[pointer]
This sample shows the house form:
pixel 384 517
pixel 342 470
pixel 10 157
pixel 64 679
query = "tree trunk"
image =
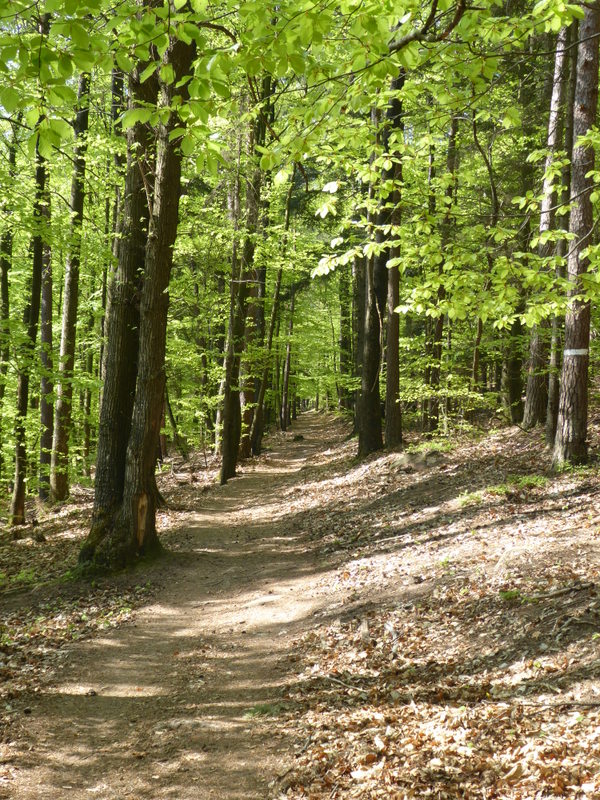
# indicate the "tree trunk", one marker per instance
pixel 180 443
pixel 512 384
pixel 132 531
pixel 536 396
pixel 30 320
pixel 433 412
pixel 284 414
pixel 116 109
pixel 59 475
pixel 229 352
pixel 392 137
pixel 232 411
pixel 87 408
pixel 46 358
pixel 556 340
pixel 358 326
pixel 232 423
pixel 571 432
pixel 6 254
pixel 345 341
pixel 369 432
pixel 370 436
pixel 256 432
pixel 494 214
pixel 122 328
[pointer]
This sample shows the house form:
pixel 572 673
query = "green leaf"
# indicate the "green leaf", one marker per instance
pixel 123 61
pixel 297 63
pixel 9 98
pixel 221 89
pixel 65 65
pixel 79 35
pixel 135 115
pixel 150 70
pixel 167 73
pixel 188 144
pixel 306 30
pixel 60 127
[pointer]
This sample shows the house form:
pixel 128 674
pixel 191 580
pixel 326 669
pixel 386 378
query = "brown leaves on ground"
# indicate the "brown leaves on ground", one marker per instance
pixel 464 660
pixel 458 652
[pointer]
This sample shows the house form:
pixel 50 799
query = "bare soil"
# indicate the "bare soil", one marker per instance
pixel 420 625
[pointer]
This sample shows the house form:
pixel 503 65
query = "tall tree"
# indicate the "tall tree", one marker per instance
pixel 232 423
pixel 571 432
pixel 132 529
pixel 59 475
pixel 46 359
pixel 393 138
pixel 370 437
pixel 6 255
pixel 31 315
pixel 433 412
pixel 122 318
pixel 536 395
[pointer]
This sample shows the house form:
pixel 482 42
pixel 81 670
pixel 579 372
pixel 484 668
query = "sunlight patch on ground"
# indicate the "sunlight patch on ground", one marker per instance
pixel 116 690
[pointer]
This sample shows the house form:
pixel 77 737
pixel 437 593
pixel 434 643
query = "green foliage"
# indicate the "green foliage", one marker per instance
pixel 332 68
pixel 518 482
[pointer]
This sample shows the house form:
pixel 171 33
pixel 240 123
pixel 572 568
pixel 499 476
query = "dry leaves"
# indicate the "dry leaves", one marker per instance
pixel 464 661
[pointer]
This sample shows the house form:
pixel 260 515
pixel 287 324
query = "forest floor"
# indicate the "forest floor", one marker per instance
pixel 413 625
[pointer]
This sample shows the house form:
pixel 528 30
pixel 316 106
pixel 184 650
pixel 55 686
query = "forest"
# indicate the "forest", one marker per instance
pixel 232 228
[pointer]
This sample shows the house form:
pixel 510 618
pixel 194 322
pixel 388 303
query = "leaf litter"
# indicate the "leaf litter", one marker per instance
pixel 464 661
pixel 456 654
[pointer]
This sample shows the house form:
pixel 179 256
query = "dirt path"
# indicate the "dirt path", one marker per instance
pixel 182 702
pixel 404 626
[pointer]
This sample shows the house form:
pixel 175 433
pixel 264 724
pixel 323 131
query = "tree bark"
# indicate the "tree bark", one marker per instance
pixel 345 341
pixel 232 423
pixel 122 325
pixel 59 475
pixel 30 320
pixel 571 432
pixel 536 395
pixel 556 340
pixel 256 432
pixel 433 412
pixel 132 530
pixel 358 326
pixel 284 416
pixel 46 358
pixel 6 254
pixel 392 137
pixel 370 437
pixel 512 383
pixel 493 221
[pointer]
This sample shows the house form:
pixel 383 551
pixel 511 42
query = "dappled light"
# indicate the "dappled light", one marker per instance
pixel 342 629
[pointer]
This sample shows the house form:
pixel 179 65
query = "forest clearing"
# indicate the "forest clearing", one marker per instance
pixel 321 628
